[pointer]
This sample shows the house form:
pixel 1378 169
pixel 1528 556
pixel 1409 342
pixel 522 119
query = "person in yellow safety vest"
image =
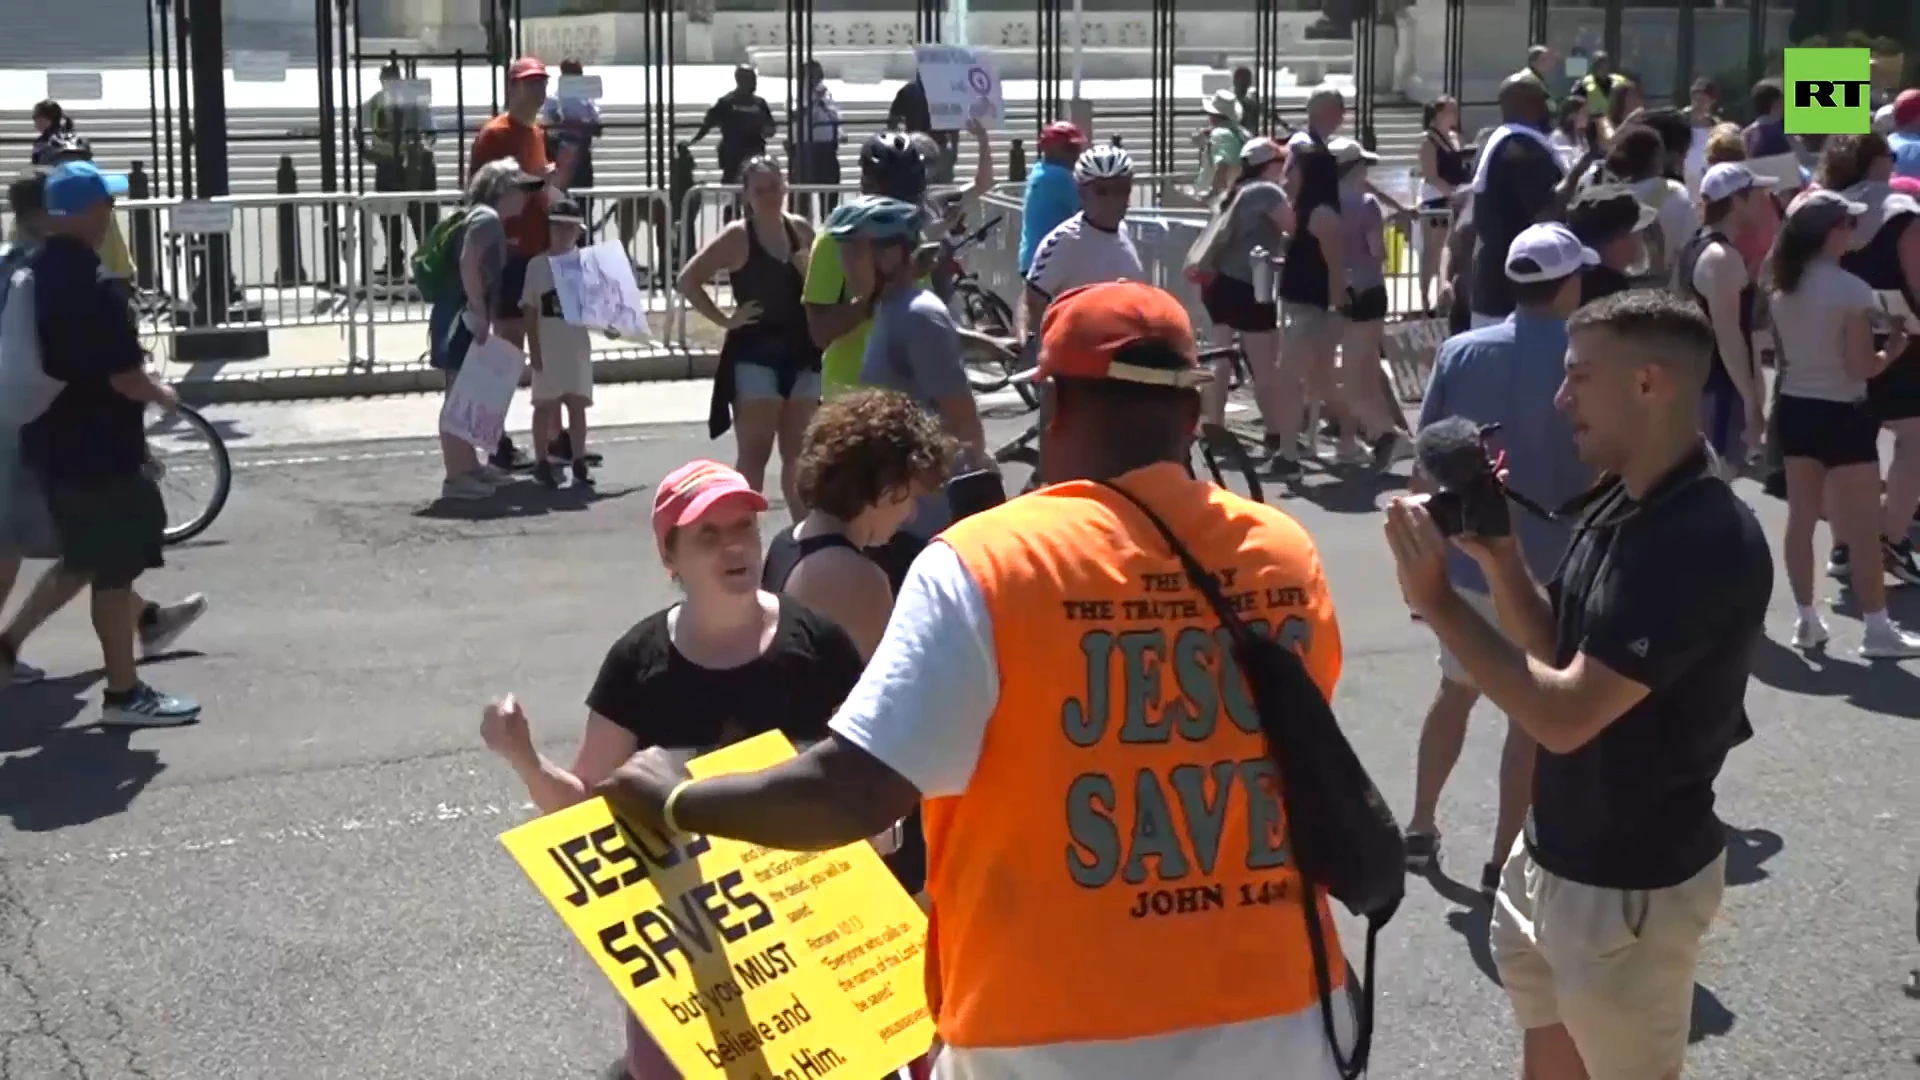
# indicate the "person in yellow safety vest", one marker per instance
pixel 1599 84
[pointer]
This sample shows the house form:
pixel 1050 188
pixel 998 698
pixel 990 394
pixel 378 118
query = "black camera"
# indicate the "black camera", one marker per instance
pixel 1469 497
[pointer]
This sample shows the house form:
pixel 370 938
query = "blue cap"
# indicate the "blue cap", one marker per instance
pixel 77 186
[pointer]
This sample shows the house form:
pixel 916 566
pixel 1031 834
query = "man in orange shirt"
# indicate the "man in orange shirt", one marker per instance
pixel 517 133
pixel 1100 806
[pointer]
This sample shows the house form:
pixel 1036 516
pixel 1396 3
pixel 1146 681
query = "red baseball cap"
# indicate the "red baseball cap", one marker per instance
pixel 691 490
pixel 1085 327
pixel 527 67
pixel 1906 108
pixel 1062 132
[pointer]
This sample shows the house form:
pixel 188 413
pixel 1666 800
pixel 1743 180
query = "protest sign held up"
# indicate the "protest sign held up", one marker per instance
pixel 740 961
pixel 962 85
pixel 598 290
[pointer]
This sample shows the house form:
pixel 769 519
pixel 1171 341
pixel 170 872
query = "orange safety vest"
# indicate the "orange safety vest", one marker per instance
pixel 1118 867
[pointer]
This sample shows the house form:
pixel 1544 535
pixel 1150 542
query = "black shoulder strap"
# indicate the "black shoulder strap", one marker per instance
pixel 1351 1065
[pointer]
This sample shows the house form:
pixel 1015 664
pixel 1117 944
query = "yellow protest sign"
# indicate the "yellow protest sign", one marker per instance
pixel 741 961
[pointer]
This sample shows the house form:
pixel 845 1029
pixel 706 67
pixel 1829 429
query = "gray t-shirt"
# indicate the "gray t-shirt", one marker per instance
pixel 1810 321
pixel 1365 253
pixel 1249 225
pixel 487 235
pixel 915 349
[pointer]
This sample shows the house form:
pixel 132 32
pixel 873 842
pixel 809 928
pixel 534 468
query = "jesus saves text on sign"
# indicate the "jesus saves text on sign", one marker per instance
pixel 1187 837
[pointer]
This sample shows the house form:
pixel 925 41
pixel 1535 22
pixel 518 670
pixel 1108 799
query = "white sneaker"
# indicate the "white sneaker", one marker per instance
pixel 1809 633
pixel 1887 641
pixel 465 488
pixel 171 621
pixel 494 475
pixel 1348 452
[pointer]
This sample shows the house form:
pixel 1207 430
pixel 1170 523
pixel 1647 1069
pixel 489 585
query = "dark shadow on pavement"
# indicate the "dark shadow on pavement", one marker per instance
pixel 1711 1019
pixel 1747 852
pixel 73 774
pixel 1880 687
pixel 1470 922
pixel 1347 489
pixel 522 499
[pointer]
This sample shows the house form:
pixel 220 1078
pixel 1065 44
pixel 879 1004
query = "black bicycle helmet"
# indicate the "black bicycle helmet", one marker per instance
pixel 63 146
pixel 890 166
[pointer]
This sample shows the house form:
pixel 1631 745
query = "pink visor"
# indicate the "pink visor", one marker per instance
pixel 694 488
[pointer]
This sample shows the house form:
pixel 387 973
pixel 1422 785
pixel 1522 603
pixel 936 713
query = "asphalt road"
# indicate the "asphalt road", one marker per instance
pixel 306 885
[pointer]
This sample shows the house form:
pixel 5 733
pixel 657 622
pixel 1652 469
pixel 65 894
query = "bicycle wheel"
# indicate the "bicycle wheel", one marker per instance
pixel 987 365
pixel 983 310
pixel 191 465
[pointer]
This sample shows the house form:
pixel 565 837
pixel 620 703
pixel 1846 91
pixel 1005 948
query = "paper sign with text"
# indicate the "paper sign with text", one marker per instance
pixel 475 411
pixel 962 84
pixel 741 962
pixel 597 290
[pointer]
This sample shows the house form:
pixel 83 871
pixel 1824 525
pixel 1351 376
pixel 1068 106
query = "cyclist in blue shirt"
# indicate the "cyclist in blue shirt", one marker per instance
pixel 1052 197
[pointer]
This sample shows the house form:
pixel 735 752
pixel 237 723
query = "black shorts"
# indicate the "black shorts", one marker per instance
pixel 1833 433
pixel 1230 303
pixel 1894 394
pixel 112 530
pixel 1367 305
pixel 513 282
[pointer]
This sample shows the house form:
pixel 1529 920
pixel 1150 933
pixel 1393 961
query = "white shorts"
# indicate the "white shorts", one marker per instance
pixel 1450 668
pixel 563 374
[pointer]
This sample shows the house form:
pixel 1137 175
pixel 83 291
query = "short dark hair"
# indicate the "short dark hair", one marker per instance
pixel 571 67
pixel 27 193
pixel 1146 421
pixel 1670 329
pixel 1676 132
pixel 864 444
pixel 1635 154
pixel 1767 93
pixel 1535 294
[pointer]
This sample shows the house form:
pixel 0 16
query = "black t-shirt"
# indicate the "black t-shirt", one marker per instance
pixel 1671 592
pixel 1521 177
pixel 1599 281
pixel 91 432
pixel 666 700
pixel 743 119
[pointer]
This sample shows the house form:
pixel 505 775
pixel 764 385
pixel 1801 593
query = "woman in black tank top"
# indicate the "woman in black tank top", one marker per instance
pixel 768 383
pixel 1443 170
pixel 868 455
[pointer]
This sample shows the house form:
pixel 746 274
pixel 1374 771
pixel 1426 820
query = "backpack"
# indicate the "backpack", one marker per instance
pixel 1343 836
pixel 25 389
pixel 436 262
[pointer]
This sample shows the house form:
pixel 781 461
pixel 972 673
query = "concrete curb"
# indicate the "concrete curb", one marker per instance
pixel 310 384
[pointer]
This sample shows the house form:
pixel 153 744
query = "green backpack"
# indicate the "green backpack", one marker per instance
pixel 436 262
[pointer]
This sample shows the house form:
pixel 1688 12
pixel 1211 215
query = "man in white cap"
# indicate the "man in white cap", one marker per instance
pixel 1710 269
pixel 1506 374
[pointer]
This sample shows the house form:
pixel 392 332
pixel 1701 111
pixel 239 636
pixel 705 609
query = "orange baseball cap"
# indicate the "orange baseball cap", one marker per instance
pixel 688 492
pixel 527 67
pixel 1085 327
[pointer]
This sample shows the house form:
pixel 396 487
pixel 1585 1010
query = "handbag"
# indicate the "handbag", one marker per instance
pixel 1343 836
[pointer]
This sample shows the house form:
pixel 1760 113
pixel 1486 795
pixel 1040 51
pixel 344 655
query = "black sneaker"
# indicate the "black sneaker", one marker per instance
pixel 581 476
pixel 1901 564
pixel 548 474
pixel 509 458
pixel 1490 880
pixel 561 450
pixel 143 706
pixel 1840 562
pixel 1282 467
pixel 1423 851
pixel 1386 450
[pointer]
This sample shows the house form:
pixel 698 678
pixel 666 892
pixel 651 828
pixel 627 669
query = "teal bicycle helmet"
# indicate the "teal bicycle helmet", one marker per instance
pixel 876 217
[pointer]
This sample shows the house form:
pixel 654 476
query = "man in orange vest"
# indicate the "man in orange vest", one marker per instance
pixel 1100 807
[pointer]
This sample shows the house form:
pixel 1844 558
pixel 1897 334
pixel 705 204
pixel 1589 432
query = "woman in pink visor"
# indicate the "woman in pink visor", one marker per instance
pixel 727 661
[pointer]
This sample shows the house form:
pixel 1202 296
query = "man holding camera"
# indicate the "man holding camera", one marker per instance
pixel 1505 374
pixel 1630 670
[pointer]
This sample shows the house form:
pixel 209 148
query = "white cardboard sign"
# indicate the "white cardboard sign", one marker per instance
pixel 475 411
pixel 962 84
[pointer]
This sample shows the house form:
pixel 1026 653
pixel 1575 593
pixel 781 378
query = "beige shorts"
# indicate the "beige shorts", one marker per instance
pixel 563 374
pixel 1614 966
pixel 1450 668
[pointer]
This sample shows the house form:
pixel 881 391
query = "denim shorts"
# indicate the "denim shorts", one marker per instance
pixel 757 382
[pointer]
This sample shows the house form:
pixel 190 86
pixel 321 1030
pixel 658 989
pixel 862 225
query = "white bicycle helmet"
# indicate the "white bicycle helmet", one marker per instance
pixel 1102 163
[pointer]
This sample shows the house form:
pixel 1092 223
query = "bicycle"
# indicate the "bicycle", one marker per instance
pixel 1216 449
pixel 184 447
